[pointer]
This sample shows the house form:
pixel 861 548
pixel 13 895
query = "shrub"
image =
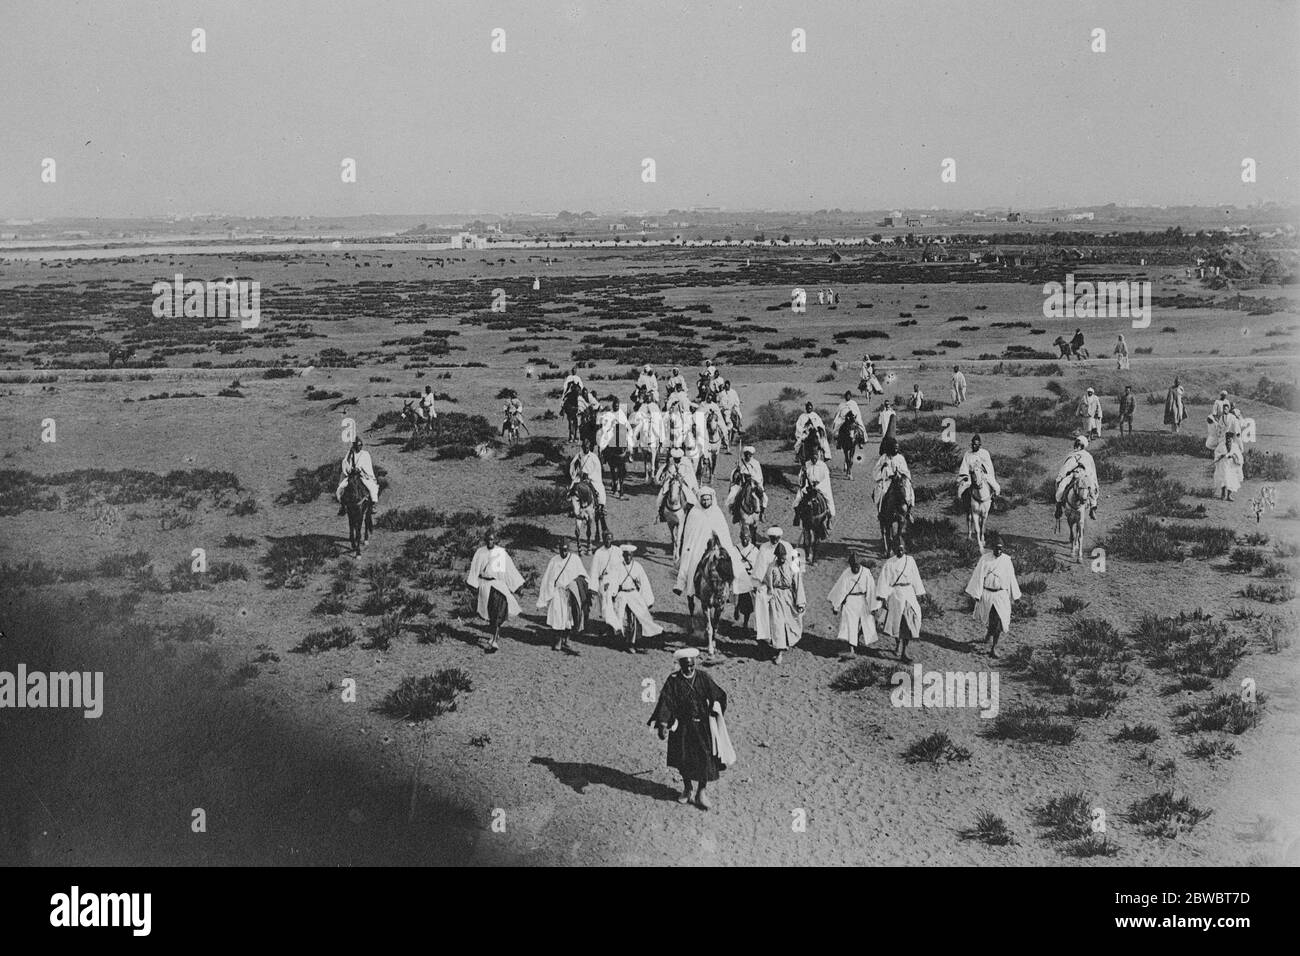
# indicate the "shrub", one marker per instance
pixel 1139 538
pixel 289 561
pixel 1030 723
pixel 1139 733
pixel 542 500
pixel 420 698
pixel 1164 814
pixel 1067 817
pixel 988 828
pixel 335 638
pixel 935 747
pixel 859 675
pixel 1223 712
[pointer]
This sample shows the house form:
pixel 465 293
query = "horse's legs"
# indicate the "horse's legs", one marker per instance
pixel 690 615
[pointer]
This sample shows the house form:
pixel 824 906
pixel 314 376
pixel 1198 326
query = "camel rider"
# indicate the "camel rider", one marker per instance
pixel 425 409
pixel 886 420
pixel 748 465
pixel 677 467
pixel 676 380
pixel 817 475
pixel 807 422
pixel 1078 461
pixel 573 378
pixel 977 457
pixel 586 463
pixel 358 460
pixel 650 382
pixel 846 407
pixel 890 463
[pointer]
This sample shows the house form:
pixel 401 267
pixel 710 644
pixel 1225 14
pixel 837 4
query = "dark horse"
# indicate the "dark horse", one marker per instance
pixel 849 439
pixel 713 577
pixel 893 511
pixel 813 514
pixel 588 425
pixel 812 440
pixel 360 509
pixel 569 408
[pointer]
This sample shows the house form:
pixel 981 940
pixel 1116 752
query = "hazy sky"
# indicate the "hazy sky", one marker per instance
pixel 258 125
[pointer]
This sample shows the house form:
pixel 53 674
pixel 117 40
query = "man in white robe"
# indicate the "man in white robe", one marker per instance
pixel 958 385
pixel 853 599
pixel 678 468
pixel 587 464
pixel 809 421
pixel 702 524
pixel 425 409
pixel 564 594
pixel 744 603
pixel 747 466
pixel 846 407
pixel 729 402
pixel 1221 406
pixel 1079 460
pixel 629 592
pixel 782 586
pixel 495 577
pixel 358 460
pixel 898 588
pixel 867 381
pixel 917 400
pixel 1090 411
pixel 1228 467
pixel 891 463
pixel 816 475
pixel 766 552
pixel 602 559
pixel 650 382
pixel 614 440
pixel 573 378
pixel 886 419
pixel 676 381
pixel 994 587
pixel 977 458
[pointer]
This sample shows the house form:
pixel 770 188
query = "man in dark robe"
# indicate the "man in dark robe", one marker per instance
pixel 682 716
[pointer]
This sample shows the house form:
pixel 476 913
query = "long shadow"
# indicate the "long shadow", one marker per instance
pixel 579 776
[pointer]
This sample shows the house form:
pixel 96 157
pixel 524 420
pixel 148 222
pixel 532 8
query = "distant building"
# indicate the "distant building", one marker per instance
pixel 1013 217
pixel 468 240
pixel 1081 217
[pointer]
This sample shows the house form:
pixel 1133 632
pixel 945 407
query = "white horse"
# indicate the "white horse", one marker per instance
pixel 979 498
pixel 647 435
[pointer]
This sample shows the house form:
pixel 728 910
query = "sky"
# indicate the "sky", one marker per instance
pixel 139 125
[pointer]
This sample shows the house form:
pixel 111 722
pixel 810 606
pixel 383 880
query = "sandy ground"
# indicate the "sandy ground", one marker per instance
pixel 579 777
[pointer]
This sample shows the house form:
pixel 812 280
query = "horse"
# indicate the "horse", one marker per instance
pixel 1075 505
pixel 713 577
pixel 569 408
pixel 747 505
pixel 892 512
pixel 733 427
pixel 511 426
pixel 711 442
pixel 706 388
pixel 1067 349
pixel 356 501
pixel 813 438
pixel 812 514
pixel 978 498
pixel 588 426
pixel 849 439
pixel 672 510
pixel 641 395
pixel 412 419
pixel 582 498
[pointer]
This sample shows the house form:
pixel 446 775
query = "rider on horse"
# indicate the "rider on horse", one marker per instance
pixel 573 378
pixel 891 463
pixel 614 443
pixel 425 409
pixel 358 461
pixel 729 402
pixel 867 381
pixel 816 477
pixel 847 406
pixel 586 464
pixel 976 458
pixel 513 410
pixel 675 381
pixel 810 421
pixel 677 468
pixel 1078 464
pixel 648 381
pixel 748 466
